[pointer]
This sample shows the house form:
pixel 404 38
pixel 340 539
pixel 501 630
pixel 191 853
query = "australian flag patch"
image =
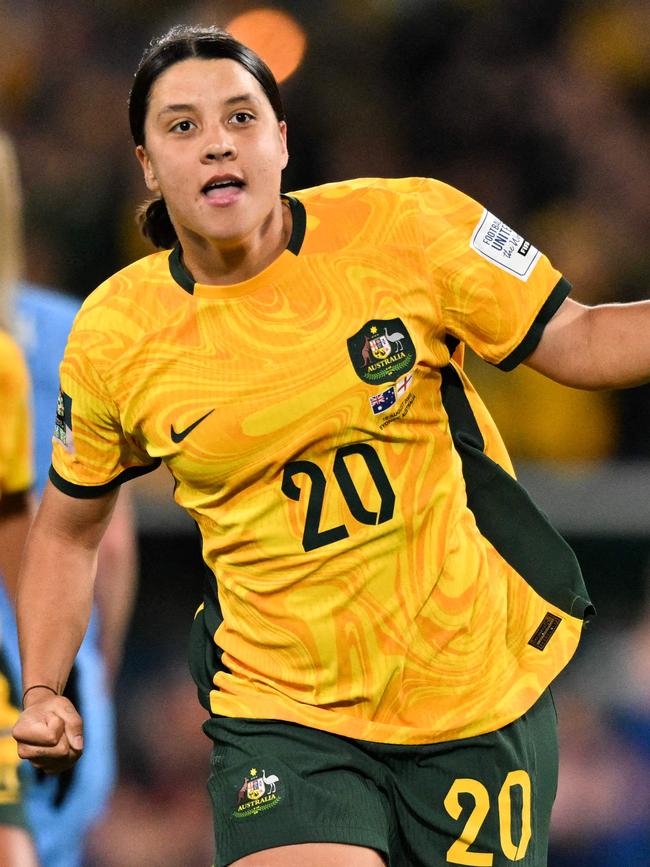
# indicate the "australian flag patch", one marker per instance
pixel 382 401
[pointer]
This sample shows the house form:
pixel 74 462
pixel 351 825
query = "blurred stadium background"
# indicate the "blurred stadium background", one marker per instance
pixel 538 109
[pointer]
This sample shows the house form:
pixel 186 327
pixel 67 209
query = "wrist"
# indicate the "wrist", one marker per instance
pixel 37 690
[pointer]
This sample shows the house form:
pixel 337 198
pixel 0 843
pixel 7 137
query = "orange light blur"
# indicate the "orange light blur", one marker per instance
pixel 276 36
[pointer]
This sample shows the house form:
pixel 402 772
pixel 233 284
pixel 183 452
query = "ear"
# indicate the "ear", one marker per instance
pixel 150 178
pixel 282 125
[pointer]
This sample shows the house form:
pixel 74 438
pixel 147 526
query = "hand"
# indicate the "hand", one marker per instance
pixel 49 732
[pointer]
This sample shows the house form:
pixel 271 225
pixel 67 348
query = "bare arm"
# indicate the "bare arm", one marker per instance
pixel 55 594
pixel 607 346
pixel 16 511
pixel 116 581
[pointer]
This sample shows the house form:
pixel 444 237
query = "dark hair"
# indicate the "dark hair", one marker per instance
pixel 182 43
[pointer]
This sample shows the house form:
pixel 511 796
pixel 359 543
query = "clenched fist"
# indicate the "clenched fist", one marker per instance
pixel 49 732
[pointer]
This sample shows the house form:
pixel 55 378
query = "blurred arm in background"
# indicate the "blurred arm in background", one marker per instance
pixel 62 810
pixel 16 847
pixel 16 513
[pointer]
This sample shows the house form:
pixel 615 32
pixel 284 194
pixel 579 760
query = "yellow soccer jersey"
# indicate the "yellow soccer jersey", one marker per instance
pixel 379 573
pixel 15 430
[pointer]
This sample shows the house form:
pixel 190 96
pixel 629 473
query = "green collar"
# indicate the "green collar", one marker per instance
pixel 299 225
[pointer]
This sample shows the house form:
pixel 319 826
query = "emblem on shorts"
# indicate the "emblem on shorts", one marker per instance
pixel 258 792
pixel 381 351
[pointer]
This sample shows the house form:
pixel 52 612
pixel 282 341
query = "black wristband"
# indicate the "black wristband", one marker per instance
pixel 38 686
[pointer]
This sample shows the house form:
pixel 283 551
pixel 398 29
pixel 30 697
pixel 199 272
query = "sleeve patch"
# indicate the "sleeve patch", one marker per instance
pixel 63 422
pixel 503 247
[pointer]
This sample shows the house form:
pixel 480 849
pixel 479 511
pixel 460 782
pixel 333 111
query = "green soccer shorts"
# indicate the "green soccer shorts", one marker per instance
pixel 478 801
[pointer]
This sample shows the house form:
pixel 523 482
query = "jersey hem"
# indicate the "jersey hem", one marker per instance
pixel 89 492
pixel 534 333
pixel 261 706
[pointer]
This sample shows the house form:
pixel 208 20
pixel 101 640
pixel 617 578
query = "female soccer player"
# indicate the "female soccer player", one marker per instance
pixel 386 607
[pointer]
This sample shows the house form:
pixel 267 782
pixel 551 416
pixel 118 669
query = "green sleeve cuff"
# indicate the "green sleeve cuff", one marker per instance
pixel 89 492
pixel 534 333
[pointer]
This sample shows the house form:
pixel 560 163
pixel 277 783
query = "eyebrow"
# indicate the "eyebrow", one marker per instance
pixel 188 106
pixel 245 97
pixel 179 106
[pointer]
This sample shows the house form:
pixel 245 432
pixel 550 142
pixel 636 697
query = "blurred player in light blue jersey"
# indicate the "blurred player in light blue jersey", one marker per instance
pixel 61 809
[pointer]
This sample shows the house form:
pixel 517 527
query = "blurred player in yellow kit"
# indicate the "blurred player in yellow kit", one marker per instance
pixel 59 809
pixel 16 479
pixel 386 607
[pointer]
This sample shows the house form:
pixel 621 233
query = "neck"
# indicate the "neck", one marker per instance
pixel 219 262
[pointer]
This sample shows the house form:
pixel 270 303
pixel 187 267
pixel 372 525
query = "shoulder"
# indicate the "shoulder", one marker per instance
pixel 396 212
pixel 13 369
pixel 131 279
pixel 387 199
pixel 389 188
pixel 9 349
pixel 365 188
pixel 130 295
pixel 132 306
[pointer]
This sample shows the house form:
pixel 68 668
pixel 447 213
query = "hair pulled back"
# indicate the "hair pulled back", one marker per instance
pixel 182 43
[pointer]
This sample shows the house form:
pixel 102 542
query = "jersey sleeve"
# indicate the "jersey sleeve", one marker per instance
pixel 91 454
pixel 497 291
pixel 16 471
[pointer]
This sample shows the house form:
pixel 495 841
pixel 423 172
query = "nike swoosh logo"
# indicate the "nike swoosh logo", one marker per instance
pixel 180 436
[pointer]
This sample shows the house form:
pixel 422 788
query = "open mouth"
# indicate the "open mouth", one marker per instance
pixel 213 187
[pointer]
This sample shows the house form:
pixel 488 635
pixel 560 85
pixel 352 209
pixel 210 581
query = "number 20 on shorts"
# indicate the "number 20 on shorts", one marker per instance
pixel 459 852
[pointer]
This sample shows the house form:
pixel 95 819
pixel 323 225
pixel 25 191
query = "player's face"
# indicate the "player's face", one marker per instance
pixel 214 150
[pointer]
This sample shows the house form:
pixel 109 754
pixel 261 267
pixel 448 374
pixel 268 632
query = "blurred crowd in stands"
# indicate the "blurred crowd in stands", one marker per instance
pixel 538 109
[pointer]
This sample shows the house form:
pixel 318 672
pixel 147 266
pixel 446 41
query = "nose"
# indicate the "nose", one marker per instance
pixel 216 151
